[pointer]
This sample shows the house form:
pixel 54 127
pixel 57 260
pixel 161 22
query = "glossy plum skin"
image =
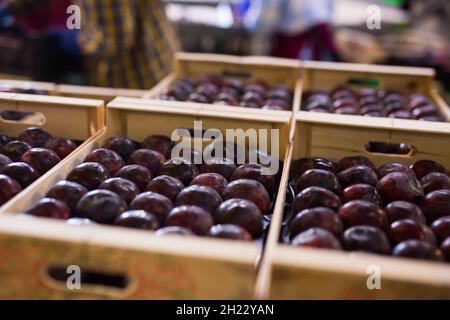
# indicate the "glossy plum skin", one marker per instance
pixel 361 192
pixel 212 180
pixel 122 146
pixel 184 171
pixel 243 213
pixel 321 217
pixel 4 139
pixel 229 232
pixel 388 168
pixel 400 186
pixel 68 192
pixel 315 163
pixel 357 175
pixel 140 175
pixel 35 137
pixel 360 212
pixel 423 168
pixel 349 162
pixel 445 248
pixel 14 150
pixel 101 206
pixel 255 172
pixel 150 159
pixel 435 181
pixel 416 249
pixel 9 188
pixel 108 158
pixel 367 239
pixel 153 203
pixel 4 161
pixel 22 172
pixel 191 217
pixel 41 159
pixel 126 189
pixel 200 196
pixel 174 231
pixel 61 146
pixel 169 187
pixel 89 174
pixel 50 208
pixel 316 197
pixel 403 230
pixel 138 219
pixel 162 144
pixel 250 190
pixel 441 228
pixel 318 178
pixel 317 238
pixel 224 167
pixel 436 205
pixel 400 210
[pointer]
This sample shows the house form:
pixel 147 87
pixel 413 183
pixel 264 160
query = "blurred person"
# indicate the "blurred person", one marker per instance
pixel 127 44
pixel 299 29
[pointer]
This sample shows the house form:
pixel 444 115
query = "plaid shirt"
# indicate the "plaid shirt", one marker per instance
pixel 127 43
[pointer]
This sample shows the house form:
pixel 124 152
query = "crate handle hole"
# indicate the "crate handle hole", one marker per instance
pixel 90 278
pixel 20 117
pixel 389 148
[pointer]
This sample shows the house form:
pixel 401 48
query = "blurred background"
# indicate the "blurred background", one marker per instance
pixel 117 36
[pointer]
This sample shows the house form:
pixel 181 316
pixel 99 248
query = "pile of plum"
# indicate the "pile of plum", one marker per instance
pixel 140 186
pixel 395 209
pixel 25 159
pixel 230 92
pixel 372 103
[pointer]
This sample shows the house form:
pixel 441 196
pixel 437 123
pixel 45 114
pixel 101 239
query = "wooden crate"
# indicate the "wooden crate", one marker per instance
pixel 407 80
pixel 301 273
pixel 65 90
pixel 157 268
pixel 76 119
pixel 272 70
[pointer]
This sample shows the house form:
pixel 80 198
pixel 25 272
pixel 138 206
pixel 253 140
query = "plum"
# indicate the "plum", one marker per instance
pixel 140 175
pixel 150 159
pixel 366 239
pixel 4 161
pixel 125 188
pixel 316 197
pixel 360 212
pixel 349 162
pixel 61 146
pixel 168 186
pixel 41 159
pixel 361 192
pixel 400 186
pixel 35 137
pixel 4 139
pixel 191 217
pixel 101 206
pixel 50 208
pixel 153 203
pixel 184 171
pixel 243 213
pixel 436 205
pixel 90 175
pixel 122 146
pixel 22 172
pixel 417 249
pixel 68 192
pixel 315 163
pixel 320 217
pixel 162 144
pixel 9 188
pixel 357 175
pixel 230 232
pixel 399 210
pixel 423 168
pixel 15 149
pixel 388 168
pixel 250 190
pixel 318 178
pixel 212 180
pixel 255 172
pixel 200 196
pixel 137 219
pixel 108 158
pixel 406 229
pixel 435 181
pixel 224 167
pixel 441 228
pixel 317 238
